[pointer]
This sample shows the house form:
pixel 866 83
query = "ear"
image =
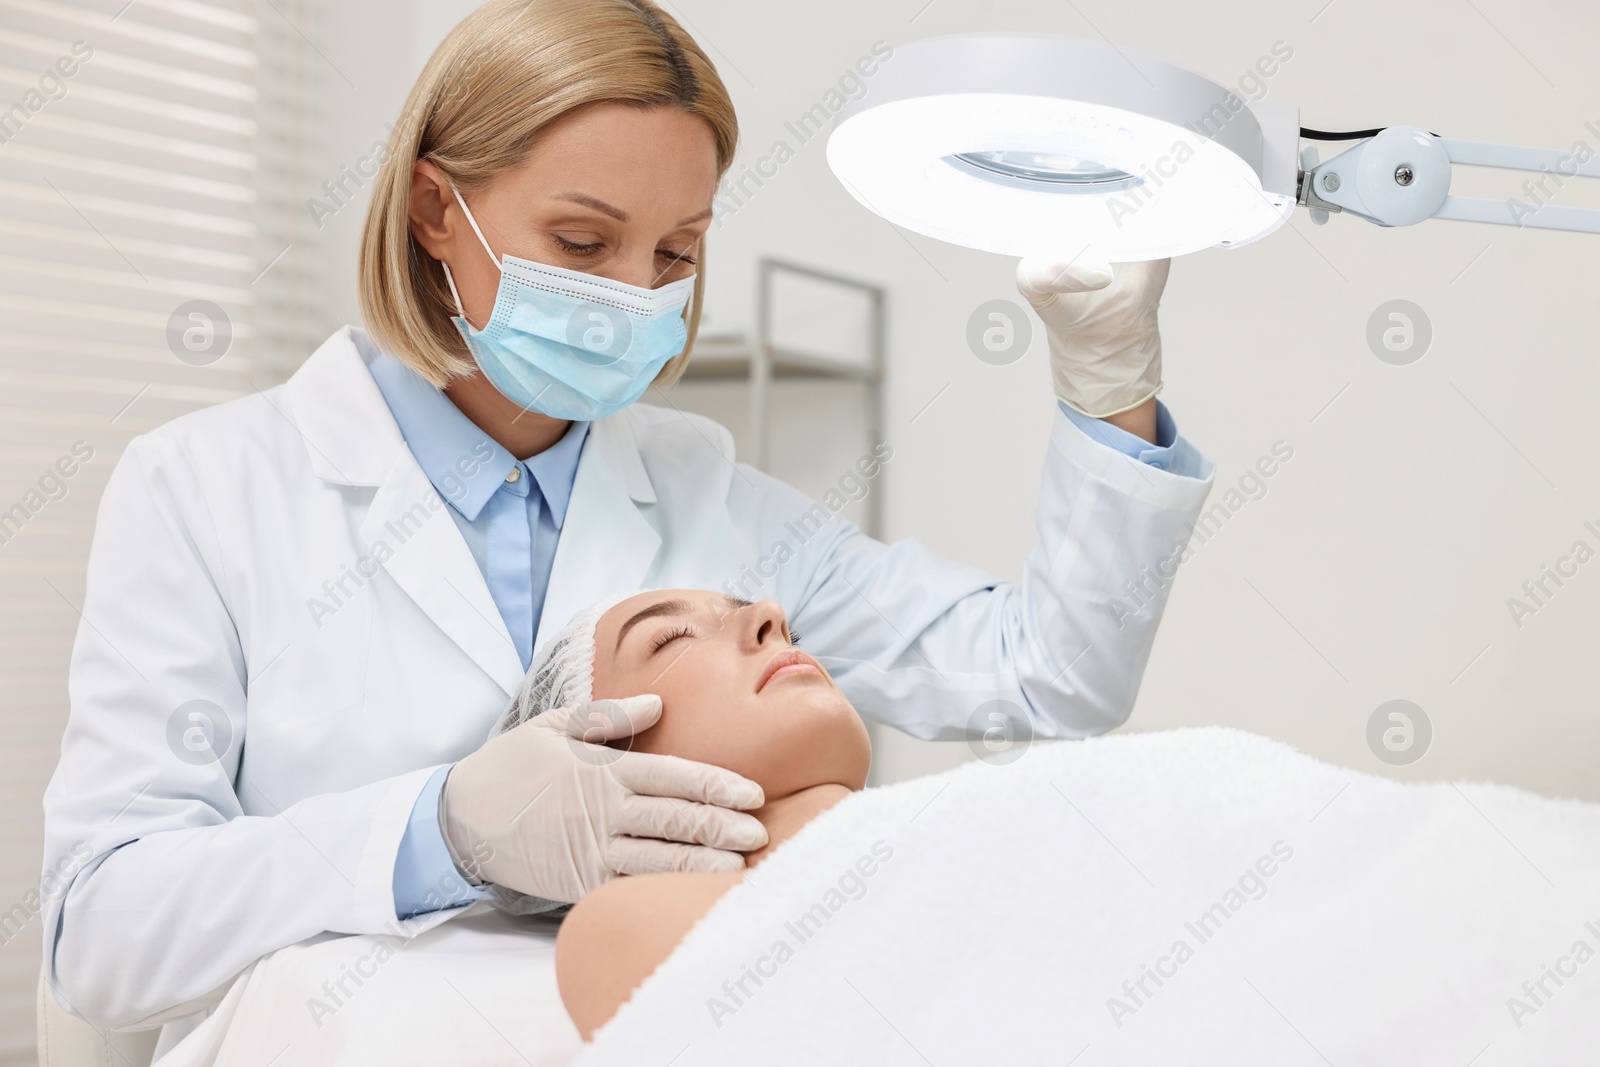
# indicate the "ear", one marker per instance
pixel 432 209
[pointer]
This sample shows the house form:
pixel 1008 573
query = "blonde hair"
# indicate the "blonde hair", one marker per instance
pixel 505 72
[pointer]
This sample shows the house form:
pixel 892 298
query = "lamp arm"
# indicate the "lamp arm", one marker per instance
pixel 1401 176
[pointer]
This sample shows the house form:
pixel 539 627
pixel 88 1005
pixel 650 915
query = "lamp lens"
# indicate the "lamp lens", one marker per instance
pixel 1045 169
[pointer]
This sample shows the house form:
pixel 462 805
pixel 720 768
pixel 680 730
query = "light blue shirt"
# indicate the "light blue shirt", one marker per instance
pixel 510 513
pixel 1168 453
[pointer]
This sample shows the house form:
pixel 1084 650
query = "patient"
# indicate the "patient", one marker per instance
pixel 735 692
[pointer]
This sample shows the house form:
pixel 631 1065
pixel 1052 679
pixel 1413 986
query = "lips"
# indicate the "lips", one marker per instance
pixel 789 658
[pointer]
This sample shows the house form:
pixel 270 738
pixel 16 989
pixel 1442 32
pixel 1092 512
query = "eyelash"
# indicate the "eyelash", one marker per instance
pixel 670 636
pixel 576 249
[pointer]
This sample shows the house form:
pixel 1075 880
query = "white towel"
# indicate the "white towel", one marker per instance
pixel 1196 897
pixel 478 989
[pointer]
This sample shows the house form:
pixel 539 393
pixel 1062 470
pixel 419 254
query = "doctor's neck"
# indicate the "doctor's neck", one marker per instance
pixel 519 431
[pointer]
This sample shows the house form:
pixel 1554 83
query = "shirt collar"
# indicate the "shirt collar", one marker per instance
pixel 464 464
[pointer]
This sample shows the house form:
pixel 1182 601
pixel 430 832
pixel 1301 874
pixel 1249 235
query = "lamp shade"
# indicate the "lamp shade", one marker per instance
pixel 1025 144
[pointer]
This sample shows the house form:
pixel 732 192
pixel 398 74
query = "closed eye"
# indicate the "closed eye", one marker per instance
pixel 577 248
pixel 671 635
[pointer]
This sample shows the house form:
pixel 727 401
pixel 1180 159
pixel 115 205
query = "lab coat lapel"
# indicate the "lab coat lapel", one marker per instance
pixel 428 558
pixel 607 544
pixel 351 439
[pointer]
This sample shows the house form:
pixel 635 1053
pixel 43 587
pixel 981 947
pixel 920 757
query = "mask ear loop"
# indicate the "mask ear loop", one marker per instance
pixel 474 223
pixel 456 295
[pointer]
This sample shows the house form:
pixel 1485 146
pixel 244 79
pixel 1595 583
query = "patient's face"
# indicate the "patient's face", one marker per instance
pixel 734 690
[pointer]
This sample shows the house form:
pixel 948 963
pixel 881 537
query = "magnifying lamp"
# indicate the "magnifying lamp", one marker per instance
pixel 1025 144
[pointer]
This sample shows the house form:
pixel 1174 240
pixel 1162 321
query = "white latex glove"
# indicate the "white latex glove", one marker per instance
pixel 1105 349
pixel 541 810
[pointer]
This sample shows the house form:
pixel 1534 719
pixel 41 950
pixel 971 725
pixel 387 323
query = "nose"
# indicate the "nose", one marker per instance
pixel 765 626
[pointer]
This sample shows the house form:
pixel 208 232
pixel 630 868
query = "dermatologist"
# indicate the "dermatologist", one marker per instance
pixel 307 607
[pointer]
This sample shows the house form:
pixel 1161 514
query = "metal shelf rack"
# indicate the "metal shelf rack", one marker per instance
pixel 724 357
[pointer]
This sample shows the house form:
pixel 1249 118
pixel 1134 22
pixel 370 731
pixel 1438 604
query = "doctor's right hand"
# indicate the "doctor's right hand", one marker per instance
pixel 545 810
pixel 1105 345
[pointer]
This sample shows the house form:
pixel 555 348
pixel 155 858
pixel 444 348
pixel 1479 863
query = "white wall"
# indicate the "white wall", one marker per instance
pixel 1379 563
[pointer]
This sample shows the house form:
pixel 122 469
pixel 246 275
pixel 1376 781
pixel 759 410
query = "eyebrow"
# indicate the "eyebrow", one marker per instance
pixel 616 212
pixel 666 608
pixel 660 608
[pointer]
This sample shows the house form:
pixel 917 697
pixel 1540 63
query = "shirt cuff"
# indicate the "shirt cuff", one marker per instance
pixel 1169 453
pixel 425 877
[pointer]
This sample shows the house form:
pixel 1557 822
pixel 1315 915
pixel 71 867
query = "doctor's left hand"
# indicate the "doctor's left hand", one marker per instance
pixel 545 810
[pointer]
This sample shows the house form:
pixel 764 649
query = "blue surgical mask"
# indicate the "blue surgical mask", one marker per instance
pixel 570 344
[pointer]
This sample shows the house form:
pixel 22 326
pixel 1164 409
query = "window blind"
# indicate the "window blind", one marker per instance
pixel 153 171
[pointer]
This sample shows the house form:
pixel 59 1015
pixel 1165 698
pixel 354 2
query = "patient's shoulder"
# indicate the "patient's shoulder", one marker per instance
pixel 614 938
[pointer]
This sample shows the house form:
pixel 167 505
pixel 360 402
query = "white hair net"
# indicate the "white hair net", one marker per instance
pixel 562 674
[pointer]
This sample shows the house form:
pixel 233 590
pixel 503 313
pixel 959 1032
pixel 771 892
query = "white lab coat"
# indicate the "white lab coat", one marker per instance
pixel 283 558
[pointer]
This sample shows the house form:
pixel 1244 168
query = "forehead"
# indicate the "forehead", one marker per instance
pixel 601 145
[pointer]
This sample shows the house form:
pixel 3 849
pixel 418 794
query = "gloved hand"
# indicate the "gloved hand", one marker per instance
pixel 541 810
pixel 1105 349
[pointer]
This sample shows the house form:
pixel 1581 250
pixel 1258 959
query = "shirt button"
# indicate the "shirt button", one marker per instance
pixel 1158 465
pixel 514 475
